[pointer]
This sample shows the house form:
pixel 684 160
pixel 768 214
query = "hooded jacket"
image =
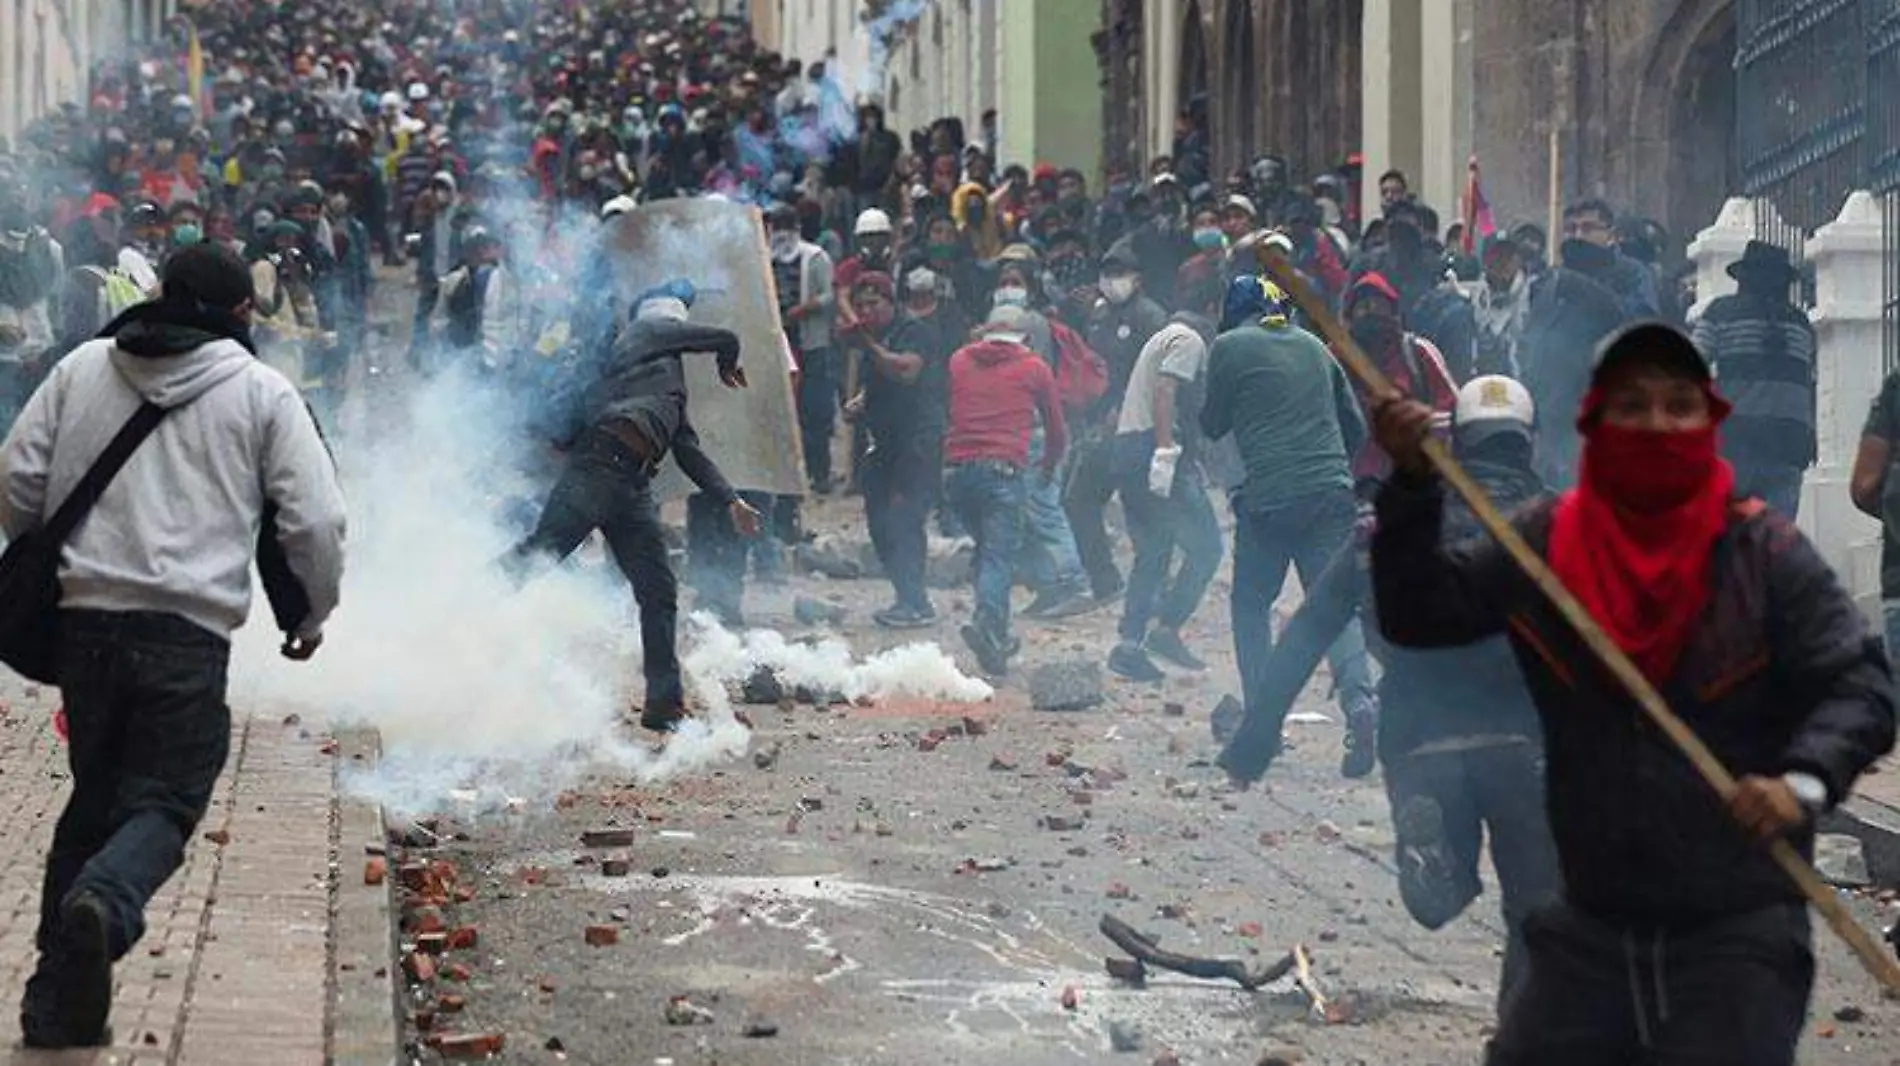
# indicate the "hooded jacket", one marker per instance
pixel 998 388
pixel 176 531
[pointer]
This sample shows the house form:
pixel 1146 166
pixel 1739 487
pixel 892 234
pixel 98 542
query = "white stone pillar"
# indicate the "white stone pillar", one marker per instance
pixel 1722 243
pixel 1851 363
pixel 1391 119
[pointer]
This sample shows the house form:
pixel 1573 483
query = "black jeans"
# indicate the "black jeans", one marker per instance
pixel 1184 521
pixel 1085 500
pixel 1303 534
pixel 605 490
pixel 818 383
pixel 1732 990
pixel 1495 790
pixel 149 733
pixel 901 486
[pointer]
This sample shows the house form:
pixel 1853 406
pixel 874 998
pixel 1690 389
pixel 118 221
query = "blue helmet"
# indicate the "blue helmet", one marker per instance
pixel 674 289
pixel 1253 300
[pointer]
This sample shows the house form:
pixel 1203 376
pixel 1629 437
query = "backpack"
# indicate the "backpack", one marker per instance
pixel 1081 374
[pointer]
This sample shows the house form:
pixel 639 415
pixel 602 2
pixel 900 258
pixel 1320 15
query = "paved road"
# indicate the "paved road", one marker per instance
pixel 833 896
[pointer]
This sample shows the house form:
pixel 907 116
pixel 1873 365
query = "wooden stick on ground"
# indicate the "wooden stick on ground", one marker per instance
pixel 1144 949
pixel 1878 962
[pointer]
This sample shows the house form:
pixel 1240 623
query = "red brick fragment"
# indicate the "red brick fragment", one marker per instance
pixel 928 742
pixel 432 943
pixel 413 875
pixel 462 938
pixel 458 972
pixel 328 747
pixel 607 838
pixel 1071 999
pixel 425 1021
pixel 220 837
pixel 1117 890
pixel 974 727
pixel 419 967
pixel 427 920
pixel 1250 930
pixel 615 867
pixel 375 871
pixel 546 984
pixel 468 1046
pixel 600 936
pixel 451 1003
pixel 464 894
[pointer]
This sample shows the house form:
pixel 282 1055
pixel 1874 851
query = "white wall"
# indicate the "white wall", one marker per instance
pixel 47 48
pixel 808 29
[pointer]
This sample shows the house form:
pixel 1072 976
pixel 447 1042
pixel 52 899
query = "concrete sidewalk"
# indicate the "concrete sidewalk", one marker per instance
pixel 265 948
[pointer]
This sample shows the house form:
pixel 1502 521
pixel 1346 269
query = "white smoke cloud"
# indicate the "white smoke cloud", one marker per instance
pixel 883 29
pixel 484 694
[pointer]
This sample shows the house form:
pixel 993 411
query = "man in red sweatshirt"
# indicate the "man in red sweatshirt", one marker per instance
pixel 998 387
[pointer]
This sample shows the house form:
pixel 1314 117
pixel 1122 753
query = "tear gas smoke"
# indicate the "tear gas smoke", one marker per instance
pixel 883 29
pixel 512 694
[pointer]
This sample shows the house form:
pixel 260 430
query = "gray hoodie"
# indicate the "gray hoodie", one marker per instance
pixel 177 529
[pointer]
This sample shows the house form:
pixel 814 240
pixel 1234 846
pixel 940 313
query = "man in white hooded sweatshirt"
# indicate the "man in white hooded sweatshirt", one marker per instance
pixel 153 582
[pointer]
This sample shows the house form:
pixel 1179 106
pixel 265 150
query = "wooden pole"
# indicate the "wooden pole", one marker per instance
pixel 1878 961
pixel 1553 236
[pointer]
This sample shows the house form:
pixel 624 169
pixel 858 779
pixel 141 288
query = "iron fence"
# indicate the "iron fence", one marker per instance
pixel 1817 86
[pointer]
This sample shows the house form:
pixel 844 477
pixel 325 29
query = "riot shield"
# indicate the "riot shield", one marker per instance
pixel 720 246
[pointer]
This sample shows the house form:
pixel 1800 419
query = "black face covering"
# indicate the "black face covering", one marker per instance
pixel 1579 254
pixel 1377 333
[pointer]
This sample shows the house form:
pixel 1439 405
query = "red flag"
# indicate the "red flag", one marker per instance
pixel 1479 222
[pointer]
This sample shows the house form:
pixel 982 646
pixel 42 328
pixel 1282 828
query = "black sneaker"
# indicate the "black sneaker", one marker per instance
pixel 662 717
pixel 1362 745
pixel 1051 597
pixel 901 617
pixel 1167 644
pixel 1429 882
pixel 84 981
pixel 993 658
pixel 1129 661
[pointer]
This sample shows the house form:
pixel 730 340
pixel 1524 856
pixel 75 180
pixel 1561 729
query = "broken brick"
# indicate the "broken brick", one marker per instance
pixel 413 875
pixel 615 867
pixel 432 943
pixel 607 838
pixel 375 871
pixel 425 1021
pixel 462 938
pixel 1056 758
pixel 928 742
pixel 546 984
pixel 451 1003
pixel 974 727
pixel 1250 930
pixel 468 1046
pixel 1061 823
pixel 220 837
pixel 458 972
pixel 1118 890
pixel 999 763
pixel 427 920
pixel 1128 971
pixel 1071 999
pixel 1326 832
pixel 600 936
pixel 419 967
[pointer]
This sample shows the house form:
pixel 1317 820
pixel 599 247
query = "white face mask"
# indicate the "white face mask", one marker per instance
pixel 784 245
pixel 1010 296
pixel 1118 290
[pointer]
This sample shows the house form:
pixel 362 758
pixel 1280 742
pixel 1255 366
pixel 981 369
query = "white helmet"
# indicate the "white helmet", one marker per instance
pixel 418 92
pixel 619 205
pixel 871 223
pixel 1492 404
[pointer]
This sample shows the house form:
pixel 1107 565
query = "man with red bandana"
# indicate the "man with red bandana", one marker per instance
pixel 1373 312
pixel 1678 939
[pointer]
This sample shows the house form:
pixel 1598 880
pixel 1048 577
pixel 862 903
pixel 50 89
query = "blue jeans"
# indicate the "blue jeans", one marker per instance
pixel 1047 559
pixel 149 734
pixel 990 499
pixel 1891 609
pixel 1182 522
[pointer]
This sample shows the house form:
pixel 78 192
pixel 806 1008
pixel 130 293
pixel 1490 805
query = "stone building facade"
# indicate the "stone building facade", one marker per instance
pixel 47 48
pixel 1640 93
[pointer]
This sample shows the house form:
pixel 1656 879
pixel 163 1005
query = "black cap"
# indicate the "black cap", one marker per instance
pixel 1653 343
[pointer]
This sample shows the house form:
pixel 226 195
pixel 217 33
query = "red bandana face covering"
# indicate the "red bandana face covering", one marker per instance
pixel 1634 539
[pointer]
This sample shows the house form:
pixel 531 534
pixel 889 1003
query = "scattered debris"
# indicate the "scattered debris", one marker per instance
pixel 827 555
pixel 615 867
pixel 1071 999
pixel 767 758
pixel 983 866
pixel 1226 718
pixel 1841 861
pixel 600 936
pixel 607 838
pixel 974 726
pixel 1117 890
pixel 683 1011
pixel 1172 709
pixel 1166 1058
pixel 1250 930
pixel 375 871
pixel 811 803
pixel 555 1045
pixel 1124 1036
pixel 929 741
pixel 1069 685
pixel 220 837
pixel 762 688
pixel 1127 971
pixel 1850 1015
pixel 1147 949
pixel 1001 764
pixel 1062 823
pixel 1326 832
pixel 451 1003
pixel 470 1046
pixel 759 1030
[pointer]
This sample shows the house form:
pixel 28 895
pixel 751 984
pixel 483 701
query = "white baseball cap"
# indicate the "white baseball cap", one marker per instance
pixel 1494 398
pixel 872 221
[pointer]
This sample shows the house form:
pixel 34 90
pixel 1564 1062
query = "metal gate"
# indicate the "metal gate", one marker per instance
pixel 1817 89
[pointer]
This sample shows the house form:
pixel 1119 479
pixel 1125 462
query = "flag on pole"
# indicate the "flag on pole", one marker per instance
pixel 1479 223
pixel 195 73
